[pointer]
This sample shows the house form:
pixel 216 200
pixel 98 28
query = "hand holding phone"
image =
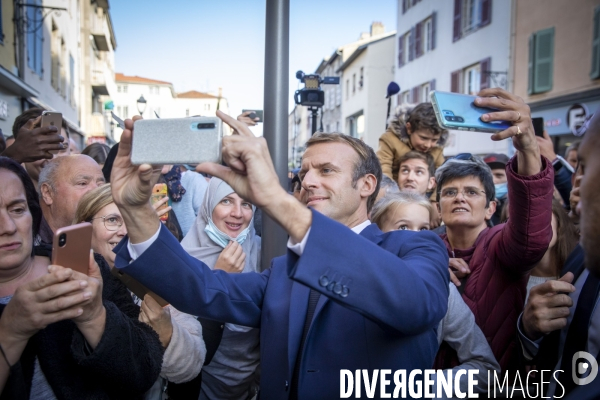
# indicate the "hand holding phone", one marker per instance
pixel 51 118
pixel 159 192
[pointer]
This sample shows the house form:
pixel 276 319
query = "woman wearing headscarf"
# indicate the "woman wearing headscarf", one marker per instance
pixel 223 237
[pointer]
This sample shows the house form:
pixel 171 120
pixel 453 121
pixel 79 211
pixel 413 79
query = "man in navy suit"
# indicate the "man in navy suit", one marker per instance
pixel 353 299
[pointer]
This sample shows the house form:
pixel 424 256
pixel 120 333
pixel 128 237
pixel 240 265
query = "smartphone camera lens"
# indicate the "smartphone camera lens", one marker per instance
pixel 448 118
pixel 459 119
pixel 62 240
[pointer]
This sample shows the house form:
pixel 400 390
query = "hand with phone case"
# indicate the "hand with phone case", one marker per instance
pixel 513 109
pixel 35 143
pixel 249 118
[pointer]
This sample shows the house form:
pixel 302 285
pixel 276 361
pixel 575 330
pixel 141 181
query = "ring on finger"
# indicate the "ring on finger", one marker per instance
pixel 518 131
pixel 519 117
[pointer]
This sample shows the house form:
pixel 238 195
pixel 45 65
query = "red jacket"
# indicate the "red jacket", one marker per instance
pixel 502 257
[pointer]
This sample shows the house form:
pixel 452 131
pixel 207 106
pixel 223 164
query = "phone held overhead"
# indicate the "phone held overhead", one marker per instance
pixel 458 112
pixel 52 118
pixel 177 140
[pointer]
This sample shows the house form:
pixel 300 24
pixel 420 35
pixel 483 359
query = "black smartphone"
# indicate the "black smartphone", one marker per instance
pixel 255 114
pixel 538 126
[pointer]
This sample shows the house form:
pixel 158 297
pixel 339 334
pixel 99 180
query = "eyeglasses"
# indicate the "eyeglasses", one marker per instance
pixel 468 193
pixel 112 222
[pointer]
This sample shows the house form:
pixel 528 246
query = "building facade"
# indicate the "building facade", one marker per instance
pixel 460 46
pixel 153 98
pixel 556 63
pixel 365 76
pixel 299 131
pixel 52 56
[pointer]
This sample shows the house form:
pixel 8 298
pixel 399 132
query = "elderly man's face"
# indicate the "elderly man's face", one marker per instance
pixel 590 194
pixel 76 176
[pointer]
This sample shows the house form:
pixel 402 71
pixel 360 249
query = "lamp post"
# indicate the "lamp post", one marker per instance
pixel 141 105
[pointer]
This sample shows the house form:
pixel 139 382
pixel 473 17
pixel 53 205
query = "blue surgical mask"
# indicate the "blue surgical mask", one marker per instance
pixel 222 239
pixel 501 190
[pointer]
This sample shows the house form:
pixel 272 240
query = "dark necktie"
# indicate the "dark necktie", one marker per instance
pixel 577 336
pixel 313 299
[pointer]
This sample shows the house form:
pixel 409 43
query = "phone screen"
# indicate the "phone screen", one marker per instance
pixel 538 126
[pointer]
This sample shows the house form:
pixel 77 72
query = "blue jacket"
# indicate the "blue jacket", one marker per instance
pixel 383 296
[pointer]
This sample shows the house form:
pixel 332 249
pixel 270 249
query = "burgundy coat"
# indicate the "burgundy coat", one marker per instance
pixel 502 257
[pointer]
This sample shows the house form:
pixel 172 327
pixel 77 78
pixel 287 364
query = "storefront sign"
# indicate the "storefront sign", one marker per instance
pixel 576 116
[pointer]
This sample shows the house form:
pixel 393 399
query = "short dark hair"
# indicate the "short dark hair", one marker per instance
pixel 98 151
pixel 423 117
pixel 368 163
pixel 33 113
pixel 456 169
pixel 417 155
pixel 573 147
pixel 31 194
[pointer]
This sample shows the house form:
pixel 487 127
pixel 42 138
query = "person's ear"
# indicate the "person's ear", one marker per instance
pixel 368 186
pixel 431 184
pixel 408 128
pixel 46 192
pixel 489 212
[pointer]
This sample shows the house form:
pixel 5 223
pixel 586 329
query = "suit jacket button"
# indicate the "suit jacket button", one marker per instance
pixel 337 289
pixel 345 291
pixel 330 286
pixel 324 280
pixel 287 385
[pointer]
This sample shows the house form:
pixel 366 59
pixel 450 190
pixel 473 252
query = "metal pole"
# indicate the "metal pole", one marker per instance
pixel 314 116
pixel 275 129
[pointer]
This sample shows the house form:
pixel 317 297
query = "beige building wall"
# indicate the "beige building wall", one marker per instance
pixel 7 47
pixel 573 23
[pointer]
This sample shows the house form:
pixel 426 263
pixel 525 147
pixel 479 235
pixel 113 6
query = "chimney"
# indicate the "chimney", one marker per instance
pixel 377 28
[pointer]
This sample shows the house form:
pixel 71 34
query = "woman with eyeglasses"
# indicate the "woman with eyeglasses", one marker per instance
pixel 490 264
pixel 63 334
pixel 180 334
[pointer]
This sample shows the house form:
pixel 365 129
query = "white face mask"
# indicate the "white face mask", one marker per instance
pixel 222 239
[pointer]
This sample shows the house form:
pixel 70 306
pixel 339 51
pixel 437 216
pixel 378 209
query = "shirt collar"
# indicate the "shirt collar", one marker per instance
pixel 358 228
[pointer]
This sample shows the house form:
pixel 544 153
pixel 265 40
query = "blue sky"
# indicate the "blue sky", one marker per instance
pixel 203 45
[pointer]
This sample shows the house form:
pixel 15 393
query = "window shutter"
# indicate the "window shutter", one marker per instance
pixel 414 2
pixel 418 40
pixel 595 74
pixel 411 47
pixel 485 66
pixel 431 85
pixel 457 20
pixel 403 6
pixel 544 54
pixel 455 81
pixel 531 63
pixel 400 50
pixel 433 29
pixel 486 12
pixel 414 96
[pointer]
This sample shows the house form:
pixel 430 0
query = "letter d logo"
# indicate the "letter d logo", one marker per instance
pixel 582 367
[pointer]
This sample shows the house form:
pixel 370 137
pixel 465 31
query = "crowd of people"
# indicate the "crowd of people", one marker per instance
pixel 397 259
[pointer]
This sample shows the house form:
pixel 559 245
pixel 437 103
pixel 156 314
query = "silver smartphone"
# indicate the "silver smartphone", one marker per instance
pixel 177 140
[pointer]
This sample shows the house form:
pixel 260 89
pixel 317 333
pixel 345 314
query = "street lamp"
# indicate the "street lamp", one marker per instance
pixel 141 105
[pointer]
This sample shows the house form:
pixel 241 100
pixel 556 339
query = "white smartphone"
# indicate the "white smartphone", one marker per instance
pixel 177 140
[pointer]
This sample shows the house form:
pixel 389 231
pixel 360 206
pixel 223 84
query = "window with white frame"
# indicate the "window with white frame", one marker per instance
pixel 471 16
pixel 427 35
pixel 361 81
pixel 187 112
pixel 207 107
pixel 425 89
pixel 353 83
pixel 125 112
pixel 119 88
pixel 347 89
pixel 472 79
pixel 405 97
pixel 406 53
pixel 124 88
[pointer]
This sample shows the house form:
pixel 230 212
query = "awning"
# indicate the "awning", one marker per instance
pixel 14 84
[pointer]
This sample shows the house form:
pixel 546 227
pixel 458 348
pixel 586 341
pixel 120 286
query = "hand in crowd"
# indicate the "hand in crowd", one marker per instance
pixel 548 307
pixel 51 298
pixel 546 146
pixel 232 258
pixel 35 143
pixel 458 269
pixel 245 118
pixel 575 199
pixel 160 212
pixel 436 217
pixel 158 318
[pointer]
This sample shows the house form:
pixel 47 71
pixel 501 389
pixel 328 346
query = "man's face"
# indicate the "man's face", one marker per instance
pixel 590 192
pixel 466 209
pixel 499 175
pixel 326 176
pixel 572 158
pixel 413 176
pixel 75 177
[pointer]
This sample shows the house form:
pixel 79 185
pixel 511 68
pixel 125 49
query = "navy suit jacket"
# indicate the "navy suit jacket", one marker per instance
pixel 383 296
